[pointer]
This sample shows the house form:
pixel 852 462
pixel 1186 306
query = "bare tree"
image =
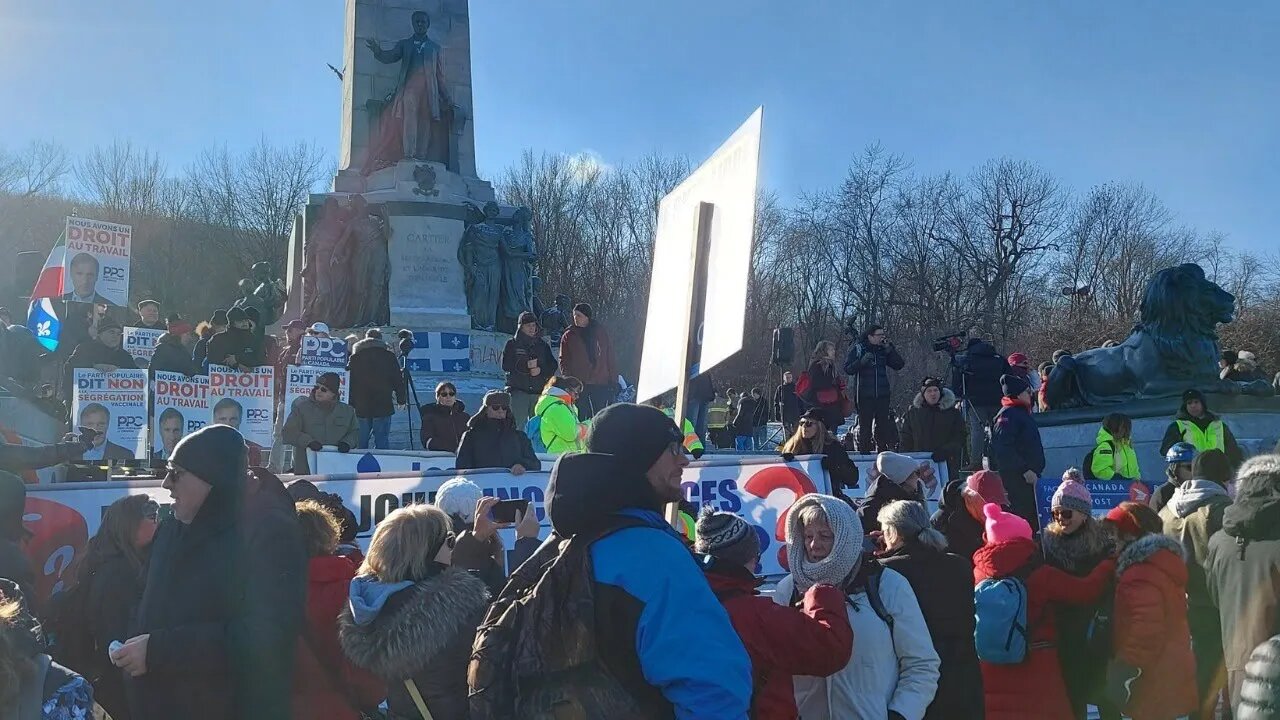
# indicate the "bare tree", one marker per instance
pixel 124 179
pixel 37 169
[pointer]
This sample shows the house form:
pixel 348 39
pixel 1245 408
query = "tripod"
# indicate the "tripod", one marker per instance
pixel 411 391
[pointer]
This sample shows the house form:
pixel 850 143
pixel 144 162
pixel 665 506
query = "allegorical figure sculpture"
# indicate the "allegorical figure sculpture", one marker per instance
pixel 419 112
pixel 317 274
pixel 1173 348
pixel 518 258
pixel 479 254
pixel 372 266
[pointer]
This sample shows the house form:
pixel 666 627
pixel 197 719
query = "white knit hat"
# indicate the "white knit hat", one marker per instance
pixel 897 467
pixel 459 497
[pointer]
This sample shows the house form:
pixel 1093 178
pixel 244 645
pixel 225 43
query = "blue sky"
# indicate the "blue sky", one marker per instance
pixel 1181 96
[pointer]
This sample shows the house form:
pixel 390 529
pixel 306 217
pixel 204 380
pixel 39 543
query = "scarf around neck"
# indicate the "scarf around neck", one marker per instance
pixel 846 551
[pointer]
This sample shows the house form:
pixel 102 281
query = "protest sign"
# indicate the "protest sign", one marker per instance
pixel 300 380
pixel 141 343
pixel 181 408
pixel 323 352
pixel 96 263
pixel 1106 494
pixel 245 401
pixel 114 405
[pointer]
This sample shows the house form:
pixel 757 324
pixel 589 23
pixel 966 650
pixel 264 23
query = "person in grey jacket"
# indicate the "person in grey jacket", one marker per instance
pixel 320 420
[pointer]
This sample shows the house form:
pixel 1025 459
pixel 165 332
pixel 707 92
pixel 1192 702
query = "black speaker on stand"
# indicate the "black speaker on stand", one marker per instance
pixel 784 346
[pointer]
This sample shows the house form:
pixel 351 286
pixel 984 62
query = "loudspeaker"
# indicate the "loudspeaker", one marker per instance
pixel 784 345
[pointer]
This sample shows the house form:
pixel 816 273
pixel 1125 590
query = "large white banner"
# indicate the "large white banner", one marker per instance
pixel 181 408
pixel 96 264
pixel 245 401
pixel 728 181
pixel 141 343
pixel 299 382
pixel 114 405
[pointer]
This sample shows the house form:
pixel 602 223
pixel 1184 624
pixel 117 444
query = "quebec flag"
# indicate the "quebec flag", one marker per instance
pixel 440 352
pixel 44 324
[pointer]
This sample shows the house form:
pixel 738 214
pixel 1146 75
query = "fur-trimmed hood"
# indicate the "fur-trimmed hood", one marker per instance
pixel 1145 549
pixel 411 626
pixel 1080 552
pixel 946 402
pixel 367 343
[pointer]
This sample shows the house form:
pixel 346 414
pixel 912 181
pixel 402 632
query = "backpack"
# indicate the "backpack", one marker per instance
pixel 536 655
pixel 1001 633
pixel 533 428
pixel 874 572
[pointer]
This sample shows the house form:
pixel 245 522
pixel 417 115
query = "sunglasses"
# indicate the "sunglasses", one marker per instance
pixel 446 393
pixel 498 408
pixel 322 388
pixel 1063 515
pixel 806 423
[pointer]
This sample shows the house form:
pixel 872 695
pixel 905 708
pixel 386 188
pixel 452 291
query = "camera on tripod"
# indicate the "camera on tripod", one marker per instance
pixel 950 344
pixel 406 341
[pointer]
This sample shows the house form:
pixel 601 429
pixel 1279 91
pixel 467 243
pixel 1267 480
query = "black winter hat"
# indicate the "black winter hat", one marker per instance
pixel 725 537
pixel 527 317
pixel 1012 386
pixel 330 380
pixel 219 317
pixel 252 313
pixel 235 315
pixel 930 382
pixel 583 308
pixel 1194 394
pixel 635 434
pixel 214 453
pixel 13 501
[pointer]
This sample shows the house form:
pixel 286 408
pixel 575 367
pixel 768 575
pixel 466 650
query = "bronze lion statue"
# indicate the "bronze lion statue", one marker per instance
pixel 1173 348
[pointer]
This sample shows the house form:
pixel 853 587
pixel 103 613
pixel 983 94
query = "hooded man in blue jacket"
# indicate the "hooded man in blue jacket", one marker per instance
pixel 662 633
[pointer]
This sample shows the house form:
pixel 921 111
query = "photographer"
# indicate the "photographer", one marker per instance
pixel 868 364
pixel 975 379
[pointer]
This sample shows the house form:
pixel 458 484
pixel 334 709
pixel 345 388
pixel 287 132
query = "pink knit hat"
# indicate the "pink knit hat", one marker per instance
pixel 1072 494
pixel 1003 526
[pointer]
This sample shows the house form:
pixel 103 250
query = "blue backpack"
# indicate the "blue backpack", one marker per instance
pixel 1001 634
pixel 533 428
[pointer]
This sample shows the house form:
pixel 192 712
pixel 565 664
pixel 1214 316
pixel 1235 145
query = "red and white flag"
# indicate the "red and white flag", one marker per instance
pixel 49 284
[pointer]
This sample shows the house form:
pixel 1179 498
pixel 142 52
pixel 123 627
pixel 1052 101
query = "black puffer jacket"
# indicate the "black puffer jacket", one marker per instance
pixel 943 584
pixel 375 379
pixel 1260 693
pixel 423 632
pixel 975 374
pixel 937 429
pixel 115 588
pixel 881 492
pixel 442 427
pixel 868 366
pixel 172 356
pixel 490 443
pixel 1243 572
pixel 517 353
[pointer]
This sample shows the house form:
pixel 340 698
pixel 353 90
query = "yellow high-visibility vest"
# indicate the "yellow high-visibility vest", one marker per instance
pixel 1211 438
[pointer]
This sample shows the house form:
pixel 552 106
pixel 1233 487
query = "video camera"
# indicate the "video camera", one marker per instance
pixel 406 341
pixel 950 344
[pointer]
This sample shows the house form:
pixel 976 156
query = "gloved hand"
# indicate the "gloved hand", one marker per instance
pixel 790 457
pixel 344 447
pixel 315 445
pixel 939 456
pixel 697 453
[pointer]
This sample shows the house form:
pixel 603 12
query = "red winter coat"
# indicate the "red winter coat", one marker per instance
pixel 317 694
pixel 576 361
pixel 1151 631
pixel 1034 687
pixel 783 641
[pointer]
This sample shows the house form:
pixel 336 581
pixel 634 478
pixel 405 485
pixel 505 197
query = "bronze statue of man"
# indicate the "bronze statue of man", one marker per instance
pixel 422 98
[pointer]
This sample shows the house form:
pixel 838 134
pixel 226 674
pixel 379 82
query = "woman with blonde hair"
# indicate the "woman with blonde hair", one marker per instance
pixel 825 387
pixel 411 617
pixel 812 437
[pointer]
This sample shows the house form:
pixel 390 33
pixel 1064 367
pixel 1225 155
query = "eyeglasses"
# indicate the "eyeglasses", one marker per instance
pixel 446 393
pixel 676 449
pixel 1063 515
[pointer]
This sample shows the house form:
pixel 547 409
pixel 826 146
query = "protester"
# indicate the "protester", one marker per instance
pixel 1020 365
pixel 1016 451
pixel 897 477
pixel 171 356
pixel 894 669
pixel 786 404
pixel 813 438
pixel 586 352
pixel 528 362
pixel 17 458
pixel 236 347
pixel 300 490
pixel 149 315
pixel 291 353
pixel 1192 516
pixel 325 683
pixel 318 329
pixel 1243 568
pixel 744 422
pixel 814 639
pixel 1178 470
pixel 1032 688
pixel 665 641
pixel 1113 456
pixel 103 354
pixel 217 323
pixel 1203 429
pixel 1045 370
pixel 31 684
pixel 492 439
pixel 943 584
pixel 14 564
pixel 826 389
pixel 223 599
pixel 692 442
pixel 559 428
pixel 478 547
pixel 1260 691
pixel 1150 635
pixel 975 379
pixel 959 516
pixel 411 617
pixel 868 364
pixel 701 393
pixel 934 425
pixel 1076 543
pixel 444 421
pixel 376 383
pixel 318 420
